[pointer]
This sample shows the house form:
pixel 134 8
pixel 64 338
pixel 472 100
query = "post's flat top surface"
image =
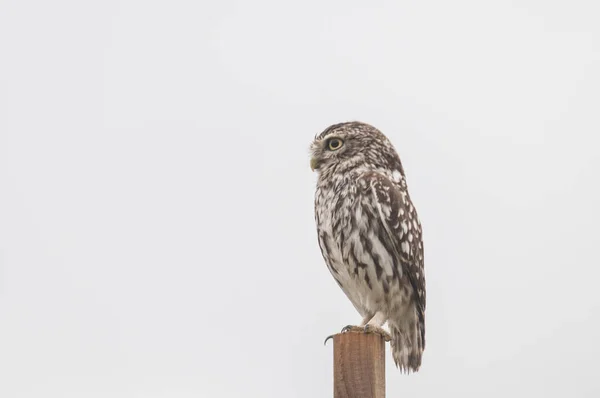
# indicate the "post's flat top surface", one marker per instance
pixel 358 365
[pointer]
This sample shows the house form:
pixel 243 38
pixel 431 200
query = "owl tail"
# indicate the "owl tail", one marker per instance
pixel 408 343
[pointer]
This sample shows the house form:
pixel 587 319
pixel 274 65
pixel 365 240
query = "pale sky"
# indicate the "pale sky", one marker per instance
pixel 156 202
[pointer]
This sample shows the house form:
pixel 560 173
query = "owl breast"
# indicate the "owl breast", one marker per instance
pixel 351 244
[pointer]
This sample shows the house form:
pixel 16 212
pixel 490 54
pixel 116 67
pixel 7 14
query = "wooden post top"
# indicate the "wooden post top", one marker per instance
pixel 358 365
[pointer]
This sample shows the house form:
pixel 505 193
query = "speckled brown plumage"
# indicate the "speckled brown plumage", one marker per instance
pixel 370 234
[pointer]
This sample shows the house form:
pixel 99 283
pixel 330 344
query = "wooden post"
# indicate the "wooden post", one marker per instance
pixel 358 365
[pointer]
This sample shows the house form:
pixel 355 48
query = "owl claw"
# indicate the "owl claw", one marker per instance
pixel 352 328
pixel 363 329
pixel 377 330
pixel 347 328
pixel 368 329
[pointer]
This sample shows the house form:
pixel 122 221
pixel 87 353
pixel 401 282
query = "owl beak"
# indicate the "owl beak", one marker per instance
pixel 314 164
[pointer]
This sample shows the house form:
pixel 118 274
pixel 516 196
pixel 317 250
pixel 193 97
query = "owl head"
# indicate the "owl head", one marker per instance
pixel 346 146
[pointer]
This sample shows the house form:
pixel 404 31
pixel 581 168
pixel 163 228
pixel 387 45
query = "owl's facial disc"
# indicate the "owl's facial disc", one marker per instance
pixel 326 150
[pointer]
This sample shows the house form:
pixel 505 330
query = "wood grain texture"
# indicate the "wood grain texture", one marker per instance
pixel 358 365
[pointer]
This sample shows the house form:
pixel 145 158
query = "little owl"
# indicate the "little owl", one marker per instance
pixel 370 235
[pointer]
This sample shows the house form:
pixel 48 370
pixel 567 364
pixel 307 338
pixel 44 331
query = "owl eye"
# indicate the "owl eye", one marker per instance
pixel 334 144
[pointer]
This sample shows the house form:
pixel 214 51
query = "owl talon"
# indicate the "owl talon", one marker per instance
pixel 347 328
pixel 352 328
pixel 327 338
pixel 377 330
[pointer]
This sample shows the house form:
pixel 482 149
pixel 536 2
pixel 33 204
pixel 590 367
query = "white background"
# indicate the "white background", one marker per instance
pixel 157 233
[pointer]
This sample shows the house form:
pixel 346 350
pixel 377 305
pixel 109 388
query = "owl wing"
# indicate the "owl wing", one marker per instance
pixel 399 226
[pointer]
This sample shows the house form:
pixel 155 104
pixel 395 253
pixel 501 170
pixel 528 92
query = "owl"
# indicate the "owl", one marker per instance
pixel 370 235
